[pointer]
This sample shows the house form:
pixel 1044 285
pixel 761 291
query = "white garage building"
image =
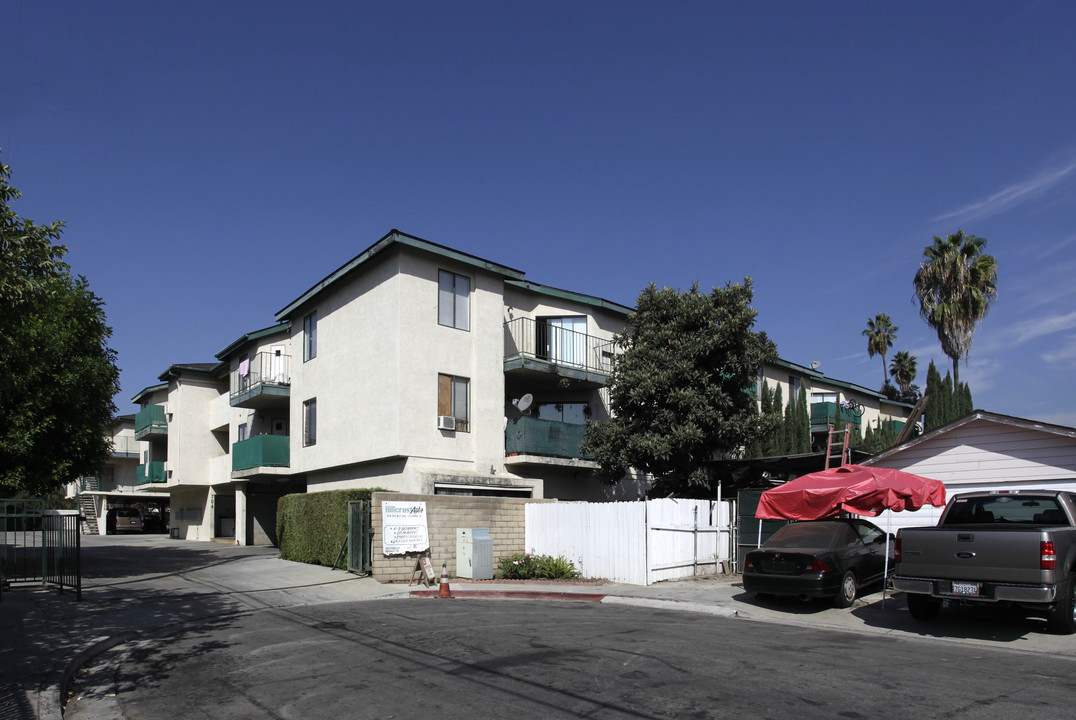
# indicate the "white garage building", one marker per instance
pixel 983 451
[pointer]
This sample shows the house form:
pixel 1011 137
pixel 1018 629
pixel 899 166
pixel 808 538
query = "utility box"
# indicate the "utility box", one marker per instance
pixel 474 553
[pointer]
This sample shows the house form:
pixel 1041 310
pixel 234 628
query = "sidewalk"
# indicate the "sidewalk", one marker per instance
pixel 144 587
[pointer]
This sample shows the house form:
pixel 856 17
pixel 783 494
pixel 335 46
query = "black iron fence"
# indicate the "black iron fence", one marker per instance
pixel 39 546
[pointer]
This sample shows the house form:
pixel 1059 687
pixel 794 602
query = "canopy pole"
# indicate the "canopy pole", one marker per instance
pixel 885 575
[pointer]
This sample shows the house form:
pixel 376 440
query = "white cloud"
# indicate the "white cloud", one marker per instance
pixel 1044 326
pixel 1011 196
pixel 1064 355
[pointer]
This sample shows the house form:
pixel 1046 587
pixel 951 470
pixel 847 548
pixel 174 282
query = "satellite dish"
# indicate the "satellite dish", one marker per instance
pixel 815 364
pixel 524 403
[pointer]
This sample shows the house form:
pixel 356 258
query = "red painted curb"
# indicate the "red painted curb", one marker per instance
pixel 523 594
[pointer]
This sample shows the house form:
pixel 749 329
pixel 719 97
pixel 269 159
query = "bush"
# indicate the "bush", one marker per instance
pixel 311 527
pixel 536 567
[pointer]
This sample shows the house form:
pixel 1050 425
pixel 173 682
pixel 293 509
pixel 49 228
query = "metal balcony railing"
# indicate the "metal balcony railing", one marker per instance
pixel 261 451
pixel 150 420
pixel 527 338
pixel 551 438
pixel 151 472
pixel 830 413
pixel 266 373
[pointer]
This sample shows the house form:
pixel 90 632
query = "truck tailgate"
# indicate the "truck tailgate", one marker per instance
pixel 970 553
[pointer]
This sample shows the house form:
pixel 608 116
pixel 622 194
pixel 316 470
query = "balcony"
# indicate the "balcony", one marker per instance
pixel 150 422
pixel 825 414
pixel 261 380
pixel 537 346
pixel 125 446
pixel 261 455
pixel 152 472
pixel 530 441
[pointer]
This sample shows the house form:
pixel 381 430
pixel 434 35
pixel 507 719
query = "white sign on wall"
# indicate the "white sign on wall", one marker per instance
pixel 405 527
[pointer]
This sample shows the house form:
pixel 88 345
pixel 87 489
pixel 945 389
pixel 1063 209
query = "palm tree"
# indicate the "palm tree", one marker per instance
pixel 880 332
pixel 904 369
pixel 955 285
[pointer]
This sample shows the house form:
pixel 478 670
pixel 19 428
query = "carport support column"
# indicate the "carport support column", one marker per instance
pixel 242 522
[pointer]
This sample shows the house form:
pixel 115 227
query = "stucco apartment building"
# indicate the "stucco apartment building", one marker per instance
pixel 415 368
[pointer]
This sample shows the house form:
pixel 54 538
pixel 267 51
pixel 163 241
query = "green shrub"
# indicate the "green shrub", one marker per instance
pixel 556 568
pixel 311 527
pixel 536 567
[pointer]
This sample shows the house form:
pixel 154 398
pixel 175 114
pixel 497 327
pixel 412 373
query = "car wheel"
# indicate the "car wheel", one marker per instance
pixel 846 595
pixel 923 607
pixel 1062 618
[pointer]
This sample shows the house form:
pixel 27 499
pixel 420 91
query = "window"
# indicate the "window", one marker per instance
pixel 453 300
pixel 452 399
pixel 794 384
pixel 310 422
pixel 244 433
pixel 310 336
pixel 563 340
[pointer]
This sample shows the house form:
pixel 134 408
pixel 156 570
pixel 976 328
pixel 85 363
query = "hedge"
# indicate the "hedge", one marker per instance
pixel 311 527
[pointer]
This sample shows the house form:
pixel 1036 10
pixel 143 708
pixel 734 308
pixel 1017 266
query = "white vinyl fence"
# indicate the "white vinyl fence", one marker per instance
pixel 638 543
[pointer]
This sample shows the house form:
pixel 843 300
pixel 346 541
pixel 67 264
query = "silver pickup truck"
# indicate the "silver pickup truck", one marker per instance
pixel 1016 548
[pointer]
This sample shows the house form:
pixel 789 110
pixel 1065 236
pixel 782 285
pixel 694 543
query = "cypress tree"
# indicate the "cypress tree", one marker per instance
pixel 803 423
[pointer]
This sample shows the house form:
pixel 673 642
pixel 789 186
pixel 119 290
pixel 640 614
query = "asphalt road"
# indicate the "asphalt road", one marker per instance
pixel 407 658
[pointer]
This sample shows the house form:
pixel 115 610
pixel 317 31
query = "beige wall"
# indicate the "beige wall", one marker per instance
pixel 503 517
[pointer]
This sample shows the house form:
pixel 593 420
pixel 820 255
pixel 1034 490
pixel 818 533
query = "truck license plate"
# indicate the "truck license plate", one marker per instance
pixel 965 588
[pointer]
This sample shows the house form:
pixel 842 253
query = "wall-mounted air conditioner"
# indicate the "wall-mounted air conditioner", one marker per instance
pixel 446 422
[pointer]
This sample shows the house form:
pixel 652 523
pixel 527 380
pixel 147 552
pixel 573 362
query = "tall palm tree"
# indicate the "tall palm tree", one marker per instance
pixel 955 285
pixel 903 369
pixel 881 333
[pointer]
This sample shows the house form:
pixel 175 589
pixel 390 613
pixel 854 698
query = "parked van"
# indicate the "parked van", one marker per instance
pixel 123 520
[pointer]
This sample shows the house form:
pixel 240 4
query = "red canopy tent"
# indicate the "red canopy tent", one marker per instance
pixel 853 488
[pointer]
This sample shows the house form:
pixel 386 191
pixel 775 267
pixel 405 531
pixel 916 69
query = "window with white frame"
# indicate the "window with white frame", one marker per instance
pixel 453 300
pixel 452 400
pixel 243 432
pixel 310 422
pixel 794 385
pixel 310 336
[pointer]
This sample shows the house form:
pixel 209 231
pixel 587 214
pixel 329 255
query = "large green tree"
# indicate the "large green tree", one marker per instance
pixel 880 333
pixel 681 387
pixel 955 284
pixel 57 374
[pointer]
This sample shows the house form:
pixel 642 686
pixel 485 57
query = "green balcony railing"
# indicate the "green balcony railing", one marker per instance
pixel 830 413
pixel 151 472
pixel 262 451
pixel 150 420
pixel 531 436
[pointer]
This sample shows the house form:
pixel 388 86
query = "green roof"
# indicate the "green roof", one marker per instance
pixel 251 336
pixel 393 238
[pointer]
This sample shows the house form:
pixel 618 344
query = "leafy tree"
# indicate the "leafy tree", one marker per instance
pixel 880 333
pixel 680 389
pixel 955 285
pixel 57 373
pixel 903 369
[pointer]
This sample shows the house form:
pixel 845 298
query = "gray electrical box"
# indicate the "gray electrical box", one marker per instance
pixel 474 553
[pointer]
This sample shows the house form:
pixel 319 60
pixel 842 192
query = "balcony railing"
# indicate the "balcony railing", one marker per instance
pixel 125 446
pixel 262 376
pixel 261 451
pixel 531 436
pixel 824 414
pixel 151 472
pixel 150 421
pixel 527 340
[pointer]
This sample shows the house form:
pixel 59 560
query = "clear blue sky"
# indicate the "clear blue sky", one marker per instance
pixel 213 160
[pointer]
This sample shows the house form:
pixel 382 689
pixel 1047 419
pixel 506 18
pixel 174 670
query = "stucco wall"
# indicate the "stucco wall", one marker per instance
pixel 503 517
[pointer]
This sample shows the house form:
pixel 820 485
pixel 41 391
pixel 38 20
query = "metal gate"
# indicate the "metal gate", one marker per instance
pixel 750 531
pixel 359 537
pixel 38 545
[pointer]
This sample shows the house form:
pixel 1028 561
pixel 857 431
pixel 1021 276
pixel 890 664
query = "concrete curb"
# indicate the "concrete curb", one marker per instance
pixel 50 699
pixel 521 594
pixel 677 605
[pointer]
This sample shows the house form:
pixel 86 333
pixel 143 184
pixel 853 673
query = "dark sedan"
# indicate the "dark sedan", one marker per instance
pixel 817 559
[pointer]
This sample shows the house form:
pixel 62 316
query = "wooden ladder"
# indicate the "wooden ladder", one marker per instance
pixel 842 441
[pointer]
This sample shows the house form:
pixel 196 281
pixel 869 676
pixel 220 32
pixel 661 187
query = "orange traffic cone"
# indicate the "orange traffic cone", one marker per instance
pixel 445 591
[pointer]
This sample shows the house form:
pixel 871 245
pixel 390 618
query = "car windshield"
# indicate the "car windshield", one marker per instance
pixel 1027 509
pixel 816 535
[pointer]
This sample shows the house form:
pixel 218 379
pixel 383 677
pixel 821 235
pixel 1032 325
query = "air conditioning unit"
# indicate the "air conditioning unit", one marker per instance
pixel 446 422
